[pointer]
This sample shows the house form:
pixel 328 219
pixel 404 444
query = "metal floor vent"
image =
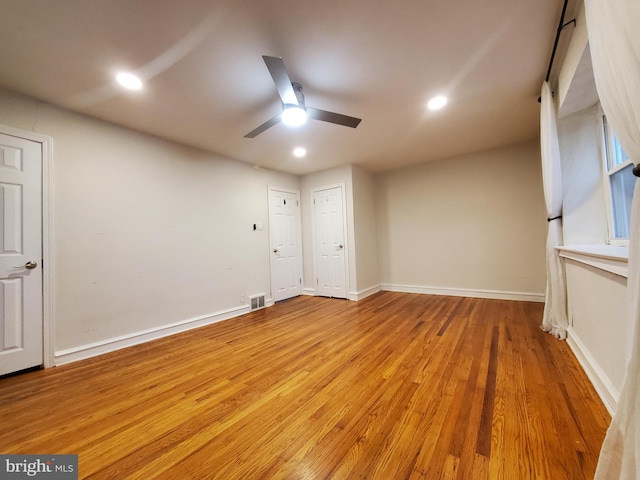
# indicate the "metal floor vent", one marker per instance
pixel 256 302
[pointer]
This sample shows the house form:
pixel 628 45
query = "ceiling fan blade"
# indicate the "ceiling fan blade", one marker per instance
pixel 331 117
pixel 281 79
pixel 268 124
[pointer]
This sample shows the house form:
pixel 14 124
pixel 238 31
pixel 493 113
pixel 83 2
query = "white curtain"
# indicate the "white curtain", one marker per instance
pixel 614 38
pixel 554 319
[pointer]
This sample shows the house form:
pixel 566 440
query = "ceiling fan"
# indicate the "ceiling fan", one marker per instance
pixel 294 111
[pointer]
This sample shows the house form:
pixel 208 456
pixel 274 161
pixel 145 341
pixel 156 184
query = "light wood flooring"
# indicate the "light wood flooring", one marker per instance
pixel 391 387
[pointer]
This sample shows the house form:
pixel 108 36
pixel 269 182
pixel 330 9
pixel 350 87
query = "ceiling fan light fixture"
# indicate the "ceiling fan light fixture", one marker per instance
pixel 436 103
pixel 294 116
pixel 129 81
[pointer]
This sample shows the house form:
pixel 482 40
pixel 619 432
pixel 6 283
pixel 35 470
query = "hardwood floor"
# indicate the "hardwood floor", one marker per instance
pixel 394 386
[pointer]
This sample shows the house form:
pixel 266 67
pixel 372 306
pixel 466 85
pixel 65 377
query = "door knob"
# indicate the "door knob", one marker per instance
pixel 275 250
pixel 340 246
pixel 30 265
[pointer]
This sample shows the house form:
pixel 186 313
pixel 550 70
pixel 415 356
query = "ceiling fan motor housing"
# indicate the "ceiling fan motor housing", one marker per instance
pixel 297 88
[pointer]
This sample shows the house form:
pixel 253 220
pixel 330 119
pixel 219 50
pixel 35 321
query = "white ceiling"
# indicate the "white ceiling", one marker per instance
pixel 207 86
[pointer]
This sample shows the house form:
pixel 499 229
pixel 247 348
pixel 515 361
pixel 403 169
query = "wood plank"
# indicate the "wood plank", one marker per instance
pixel 393 386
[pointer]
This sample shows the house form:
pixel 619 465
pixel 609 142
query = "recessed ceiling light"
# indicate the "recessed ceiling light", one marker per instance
pixel 436 103
pixel 129 81
pixel 299 152
pixel 293 115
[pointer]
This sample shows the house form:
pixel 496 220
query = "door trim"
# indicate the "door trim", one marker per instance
pixel 48 323
pixel 343 187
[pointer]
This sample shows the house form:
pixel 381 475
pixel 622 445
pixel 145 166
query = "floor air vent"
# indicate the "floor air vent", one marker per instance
pixel 256 302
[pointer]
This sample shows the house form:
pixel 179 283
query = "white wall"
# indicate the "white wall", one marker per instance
pixel 572 58
pixel 598 331
pixel 146 232
pixel 584 215
pixel 473 225
pixel 366 233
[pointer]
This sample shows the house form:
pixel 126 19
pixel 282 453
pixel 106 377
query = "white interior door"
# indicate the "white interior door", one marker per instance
pixel 329 232
pixel 21 316
pixel 285 238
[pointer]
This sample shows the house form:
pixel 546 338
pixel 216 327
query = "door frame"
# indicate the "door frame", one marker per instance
pixel 46 142
pixel 298 227
pixel 343 187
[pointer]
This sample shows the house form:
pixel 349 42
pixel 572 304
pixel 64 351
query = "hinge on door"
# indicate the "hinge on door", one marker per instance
pixel 297 204
pixel 301 281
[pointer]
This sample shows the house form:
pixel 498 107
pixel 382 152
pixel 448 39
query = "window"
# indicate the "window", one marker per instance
pixel 619 185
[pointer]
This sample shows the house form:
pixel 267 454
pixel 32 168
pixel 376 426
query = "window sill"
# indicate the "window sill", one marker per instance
pixel 604 257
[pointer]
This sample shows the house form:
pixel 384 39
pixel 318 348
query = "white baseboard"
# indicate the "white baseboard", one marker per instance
pixel 461 292
pixel 607 392
pixel 456 292
pixel 105 346
pixel 355 296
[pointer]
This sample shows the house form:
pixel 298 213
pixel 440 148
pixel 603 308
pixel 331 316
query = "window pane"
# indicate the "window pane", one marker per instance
pixel 619 155
pixel 615 153
pixel 622 184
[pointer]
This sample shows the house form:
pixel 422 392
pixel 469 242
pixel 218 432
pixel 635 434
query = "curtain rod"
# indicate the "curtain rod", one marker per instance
pixel 561 26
